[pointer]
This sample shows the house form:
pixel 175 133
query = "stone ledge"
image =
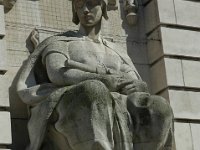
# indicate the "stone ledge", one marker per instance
pixel 2 22
pixel 5 126
pixel 161 43
pixel 183 137
pixel 3 57
pixel 172 12
pixel 159 12
pixel 186 11
pixel 185 104
pixel 162 77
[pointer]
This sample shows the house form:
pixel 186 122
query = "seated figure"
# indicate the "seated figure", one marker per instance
pixel 84 93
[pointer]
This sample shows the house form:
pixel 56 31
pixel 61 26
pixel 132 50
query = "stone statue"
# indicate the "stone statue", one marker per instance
pixel 84 93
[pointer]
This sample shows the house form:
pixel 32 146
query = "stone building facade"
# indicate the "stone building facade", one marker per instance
pixel 164 47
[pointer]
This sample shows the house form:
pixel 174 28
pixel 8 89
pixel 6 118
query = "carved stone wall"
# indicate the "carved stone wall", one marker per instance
pixel 51 17
pixel 5 123
pixel 173 33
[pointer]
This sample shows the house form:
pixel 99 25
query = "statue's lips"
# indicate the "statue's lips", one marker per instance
pixel 88 17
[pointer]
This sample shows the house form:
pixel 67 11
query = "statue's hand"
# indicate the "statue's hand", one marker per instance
pixel 116 82
pixel 135 86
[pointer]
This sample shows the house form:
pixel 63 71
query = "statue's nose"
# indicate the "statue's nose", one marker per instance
pixel 85 10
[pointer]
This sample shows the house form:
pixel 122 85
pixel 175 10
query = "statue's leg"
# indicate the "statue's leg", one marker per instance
pixel 85 116
pixel 37 126
pixel 152 117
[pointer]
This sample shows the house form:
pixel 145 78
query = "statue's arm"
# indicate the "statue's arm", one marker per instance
pixel 130 72
pixel 137 85
pixel 61 75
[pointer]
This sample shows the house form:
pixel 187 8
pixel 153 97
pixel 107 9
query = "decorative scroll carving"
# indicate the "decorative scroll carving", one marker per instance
pixel 35 38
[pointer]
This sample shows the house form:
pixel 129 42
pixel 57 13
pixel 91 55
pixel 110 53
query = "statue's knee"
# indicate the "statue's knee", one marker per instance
pixel 149 109
pixel 141 101
pixel 94 90
pixel 161 107
pixel 93 86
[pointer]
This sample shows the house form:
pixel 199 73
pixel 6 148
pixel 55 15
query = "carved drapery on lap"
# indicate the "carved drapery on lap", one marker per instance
pixel 86 94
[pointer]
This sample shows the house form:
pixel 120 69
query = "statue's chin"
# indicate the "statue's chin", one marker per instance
pixel 90 22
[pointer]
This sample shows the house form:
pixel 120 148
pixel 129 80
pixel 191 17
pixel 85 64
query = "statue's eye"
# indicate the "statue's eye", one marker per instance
pixel 89 3
pixel 92 3
pixel 79 3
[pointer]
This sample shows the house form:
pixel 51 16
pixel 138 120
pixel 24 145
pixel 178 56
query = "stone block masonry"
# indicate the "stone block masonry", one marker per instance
pixel 173 30
pixel 5 119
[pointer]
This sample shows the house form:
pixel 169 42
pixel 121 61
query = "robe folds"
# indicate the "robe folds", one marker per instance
pixel 108 119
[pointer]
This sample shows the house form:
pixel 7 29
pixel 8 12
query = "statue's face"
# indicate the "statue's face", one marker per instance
pixel 89 11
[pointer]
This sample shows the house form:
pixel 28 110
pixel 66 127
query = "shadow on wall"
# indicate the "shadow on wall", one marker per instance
pixel 136 41
pixel 19 118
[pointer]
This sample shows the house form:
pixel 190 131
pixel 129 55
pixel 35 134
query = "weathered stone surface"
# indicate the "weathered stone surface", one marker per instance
pixel 144 1
pixel 185 104
pixel 144 72
pixel 157 71
pixel 8 4
pixel 91 60
pixel 138 54
pixel 2 22
pixel 174 72
pixel 154 46
pixel 183 137
pixel 195 129
pixel 4 98
pixel 19 134
pixel 20 57
pixel 161 74
pixel 191 72
pixel 165 94
pixel 159 12
pixel 17 107
pixel 5 126
pixel 169 47
pixel 151 16
pixel 154 50
pixel 166 11
pixel 3 55
pixel 187 13
pixel 173 42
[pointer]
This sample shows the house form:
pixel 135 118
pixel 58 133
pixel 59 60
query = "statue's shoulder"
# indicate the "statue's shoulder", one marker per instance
pixel 65 36
pixel 70 33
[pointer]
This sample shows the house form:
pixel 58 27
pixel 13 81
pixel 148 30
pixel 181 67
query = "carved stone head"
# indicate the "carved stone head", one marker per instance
pixel 89 12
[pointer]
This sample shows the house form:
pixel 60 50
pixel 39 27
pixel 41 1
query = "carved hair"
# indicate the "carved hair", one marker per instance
pixel 75 18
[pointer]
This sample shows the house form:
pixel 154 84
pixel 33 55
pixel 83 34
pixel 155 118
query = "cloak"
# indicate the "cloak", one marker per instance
pixel 41 88
pixel 35 89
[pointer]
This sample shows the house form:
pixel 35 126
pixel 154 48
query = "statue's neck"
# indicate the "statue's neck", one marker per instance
pixel 93 32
